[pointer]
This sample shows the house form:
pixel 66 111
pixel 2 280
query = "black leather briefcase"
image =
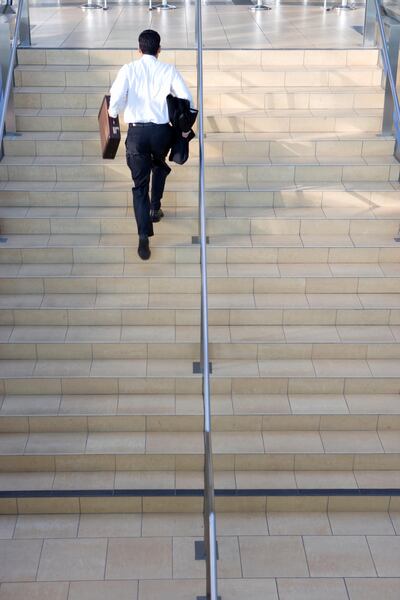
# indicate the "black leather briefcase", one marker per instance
pixel 110 133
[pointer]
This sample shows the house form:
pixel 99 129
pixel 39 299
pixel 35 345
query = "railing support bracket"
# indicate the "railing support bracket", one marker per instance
pixel 200 550
pixel 196 239
pixel 197 370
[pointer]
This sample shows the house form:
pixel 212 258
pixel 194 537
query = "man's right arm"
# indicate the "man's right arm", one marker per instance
pixel 119 92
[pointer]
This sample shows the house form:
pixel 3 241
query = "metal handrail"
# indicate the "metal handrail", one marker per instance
pixel 10 73
pixel 210 535
pixel 389 72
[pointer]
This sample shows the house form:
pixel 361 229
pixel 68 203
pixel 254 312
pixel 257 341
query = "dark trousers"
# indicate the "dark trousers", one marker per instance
pixel 146 149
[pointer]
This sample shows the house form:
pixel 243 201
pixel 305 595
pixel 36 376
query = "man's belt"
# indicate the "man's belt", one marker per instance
pixel 145 124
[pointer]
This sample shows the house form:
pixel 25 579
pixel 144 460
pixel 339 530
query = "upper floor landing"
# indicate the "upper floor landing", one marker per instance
pixel 226 24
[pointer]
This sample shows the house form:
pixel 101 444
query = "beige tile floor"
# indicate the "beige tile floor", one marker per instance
pixel 300 555
pixel 287 25
pixel 264 556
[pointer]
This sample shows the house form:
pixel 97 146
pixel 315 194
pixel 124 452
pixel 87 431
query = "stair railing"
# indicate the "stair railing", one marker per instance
pixel 390 56
pixel 210 535
pixel 22 36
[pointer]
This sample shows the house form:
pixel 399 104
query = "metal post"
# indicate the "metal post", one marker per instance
pixel 393 52
pixel 90 5
pixel 346 6
pixel 25 27
pixel 260 6
pixel 5 53
pixel 370 24
pixel 7 8
pixel 163 6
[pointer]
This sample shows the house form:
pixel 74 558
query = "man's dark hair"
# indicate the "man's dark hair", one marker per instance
pixel 149 42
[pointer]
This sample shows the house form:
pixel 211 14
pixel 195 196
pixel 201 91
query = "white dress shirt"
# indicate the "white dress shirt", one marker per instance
pixel 141 88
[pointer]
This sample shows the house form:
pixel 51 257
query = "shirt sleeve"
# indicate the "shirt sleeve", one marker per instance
pixel 119 93
pixel 179 87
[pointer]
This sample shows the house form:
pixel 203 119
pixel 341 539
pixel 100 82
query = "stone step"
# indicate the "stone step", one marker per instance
pixel 217 149
pixel 234 76
pixel 247 114
pixel 186 317
pixel 313 375
pixel 371 300
pixel 183 222
pixel 313 411
pixel 216 99
pixel 241 450
pixel 352 57
pixel 59 381
pixel 235 269
pixel 375 196
pixel 353 271
pixel 188 346
pixel 243 176
pixel 68 120
pixel 181 513
pixel 281 250
pixel 366 213
pixel 29 417
pixel 233 479
pixel 244 285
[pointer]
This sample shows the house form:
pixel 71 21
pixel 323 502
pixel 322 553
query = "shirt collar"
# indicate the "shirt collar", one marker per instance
pixel 148 57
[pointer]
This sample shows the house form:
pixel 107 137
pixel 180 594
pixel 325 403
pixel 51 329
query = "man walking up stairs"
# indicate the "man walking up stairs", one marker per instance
pixel 141 89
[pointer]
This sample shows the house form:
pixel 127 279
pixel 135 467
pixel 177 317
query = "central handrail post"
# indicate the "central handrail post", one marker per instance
pixel 210 543
pixel 393 54
pixel 370 24
pixel 391 97
pixel 25 27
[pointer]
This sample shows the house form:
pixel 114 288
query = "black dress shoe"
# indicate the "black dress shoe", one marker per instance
pixel 156 215
pixel 144 249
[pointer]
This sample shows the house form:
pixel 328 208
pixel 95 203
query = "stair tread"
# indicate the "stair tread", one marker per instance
pixel 252 112
pixel 160 300
pixel 175 241
pixel 176 442
pixel 118 186
pixel 182 367
pixel 245 89
pixel 193 479
pixel 184 213
pixel 239 479
pixel 283 136
pixel 243 270
pixel 212 67
pixel 77 161
pixel 369 411
pixel 182 334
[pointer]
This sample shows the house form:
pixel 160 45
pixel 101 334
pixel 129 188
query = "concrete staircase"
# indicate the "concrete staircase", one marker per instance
pixel 97 347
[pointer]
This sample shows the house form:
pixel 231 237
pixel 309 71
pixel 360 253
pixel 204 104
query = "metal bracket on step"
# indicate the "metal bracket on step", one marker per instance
pixel 200 554
pixel 397 239
pixel 197 370
pixel 3 240
pixel 200 550
pixel 196 239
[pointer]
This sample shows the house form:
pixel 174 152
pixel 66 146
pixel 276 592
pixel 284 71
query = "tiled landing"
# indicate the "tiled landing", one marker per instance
pixel 225 25
pixel 273 556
